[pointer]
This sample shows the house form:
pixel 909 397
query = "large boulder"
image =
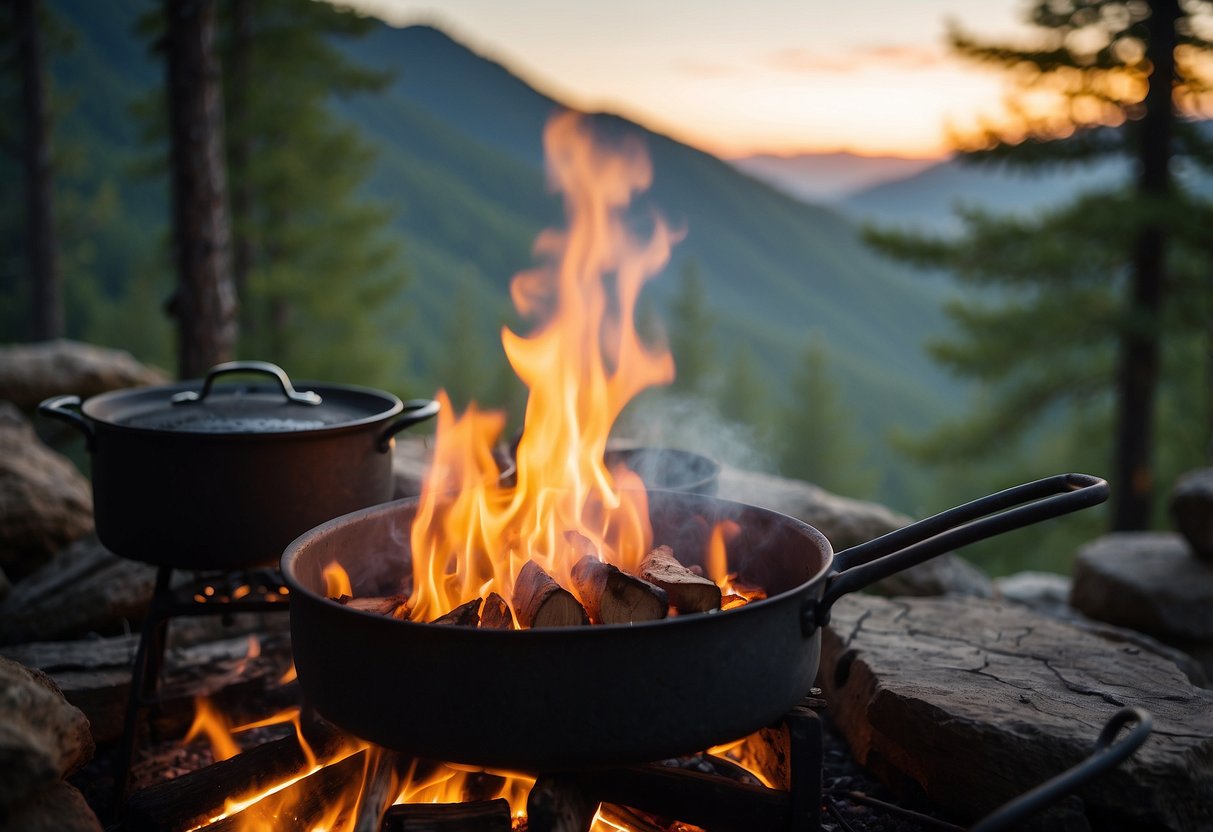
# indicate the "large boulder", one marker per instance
pixel 42 737
pixel 978 701
pixel 85 589
pixel 846 522
pixel 45 503
pixel 1147 581
pixel 59 807
pixel 1192 511
pixel 30 373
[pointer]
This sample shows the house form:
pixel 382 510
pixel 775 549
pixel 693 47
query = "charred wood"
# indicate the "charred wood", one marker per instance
pixel 464 615
pixel 560 804
pixel 478 816
pixel 495 614
pixel 688 592
pixel 191 799
pixel 386 768
pixel 303 804
pixel 541 602
pixel 395 606
pixel 614 597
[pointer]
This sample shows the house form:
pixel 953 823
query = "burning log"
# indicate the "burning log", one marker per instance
pixel 464 615
pixel 478 816
pixel 396 606
pixel 560 803
pixel 496 615
pixel 191 799
pixel 688 592
pixel 615 597
pixel 379 789
pixel 541 602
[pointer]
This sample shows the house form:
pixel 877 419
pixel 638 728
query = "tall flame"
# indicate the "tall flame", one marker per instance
pixel 582 363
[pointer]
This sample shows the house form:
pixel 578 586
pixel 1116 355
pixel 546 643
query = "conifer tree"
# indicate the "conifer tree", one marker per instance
pixel 1093 299
pixel 318 277
pixel 692 339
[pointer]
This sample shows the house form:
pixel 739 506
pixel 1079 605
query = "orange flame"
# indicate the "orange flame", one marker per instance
pixel 582 363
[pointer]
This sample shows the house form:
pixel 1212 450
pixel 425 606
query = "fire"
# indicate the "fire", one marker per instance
pixel 582 363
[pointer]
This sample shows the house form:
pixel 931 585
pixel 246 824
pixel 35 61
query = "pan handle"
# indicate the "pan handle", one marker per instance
pixel 1106 756
pixel 1013 508
pixel 294 396
pixel 415 410
pixel 66 409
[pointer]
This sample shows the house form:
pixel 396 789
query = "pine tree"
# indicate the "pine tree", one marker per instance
pixel 692 339
pixel 1090 299
pixel 814 430
pixel 312 261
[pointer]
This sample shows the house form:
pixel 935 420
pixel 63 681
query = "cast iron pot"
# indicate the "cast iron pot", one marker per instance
pixel 199 476
pixel 583 697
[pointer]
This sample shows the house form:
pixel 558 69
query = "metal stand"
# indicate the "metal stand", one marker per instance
pixel 226 594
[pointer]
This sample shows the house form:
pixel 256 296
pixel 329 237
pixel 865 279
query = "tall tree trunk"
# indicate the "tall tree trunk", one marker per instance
pixel 1138 378
pixel 46 295
pixel 240 75
pixel 205 300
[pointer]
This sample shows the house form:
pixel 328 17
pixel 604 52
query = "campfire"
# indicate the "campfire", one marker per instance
pixel 567 541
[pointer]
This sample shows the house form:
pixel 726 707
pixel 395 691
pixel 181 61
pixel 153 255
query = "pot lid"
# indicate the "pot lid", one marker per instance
pixel 204 407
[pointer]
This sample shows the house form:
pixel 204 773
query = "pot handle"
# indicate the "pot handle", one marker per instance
pixel 294 396
pixel 1106 756
pixel 57 407
pixel 415 410
pixel 1013 508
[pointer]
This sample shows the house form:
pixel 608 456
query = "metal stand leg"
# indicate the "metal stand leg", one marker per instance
pixel 145 680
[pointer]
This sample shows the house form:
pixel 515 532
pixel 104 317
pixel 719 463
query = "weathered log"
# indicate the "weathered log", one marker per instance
pixel 394 606
pixel 541 602
pixel 191 799
pixel 478 816
pixel 688 592
pixel 464 615
pixel 495 614
pixel 614 597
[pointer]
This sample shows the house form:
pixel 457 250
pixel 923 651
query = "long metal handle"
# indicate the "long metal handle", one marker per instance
pixel 1023 505
pixel 296 396
pixel 1106 756
pixel 415 410
pixel 57 407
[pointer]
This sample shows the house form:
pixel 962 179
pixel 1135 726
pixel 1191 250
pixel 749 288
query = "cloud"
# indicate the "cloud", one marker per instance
pixel 893 56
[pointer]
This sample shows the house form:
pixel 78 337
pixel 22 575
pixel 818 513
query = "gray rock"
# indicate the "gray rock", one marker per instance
pixel 847 522
pixel 42 737
pixel 30 373
pixel 60 807
pixel 85 588
pixel 1146 581
pixel 410 462
pixel 1045 592
pixel 978 701
pixel 1192 510
pixel 45 503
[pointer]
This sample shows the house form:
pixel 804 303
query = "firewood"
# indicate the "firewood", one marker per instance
pixel 396 606
pixel 496 615
pixel 477 816
pixel 614 597
pixel 464 615
pixel 560 803
pixel 688 592
pixel 384 773
pixel 541 602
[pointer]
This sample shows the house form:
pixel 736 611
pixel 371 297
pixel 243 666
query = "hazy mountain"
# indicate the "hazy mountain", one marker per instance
pixel 828 177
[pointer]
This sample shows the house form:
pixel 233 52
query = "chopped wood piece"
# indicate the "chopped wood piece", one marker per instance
pixel 688 592
pixel 477 816
pixel 614 597
pixel 541 602
pixel 496 614
pixel 379 788
pixel 303 804
pixel 464 615
pixel 396 606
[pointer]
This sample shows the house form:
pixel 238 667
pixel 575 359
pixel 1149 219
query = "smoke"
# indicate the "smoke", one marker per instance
pixel 660 418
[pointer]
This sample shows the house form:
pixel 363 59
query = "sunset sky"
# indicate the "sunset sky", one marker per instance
pixel 778 76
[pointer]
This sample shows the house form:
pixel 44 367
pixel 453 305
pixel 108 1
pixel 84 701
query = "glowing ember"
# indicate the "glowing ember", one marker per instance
pixel 582 363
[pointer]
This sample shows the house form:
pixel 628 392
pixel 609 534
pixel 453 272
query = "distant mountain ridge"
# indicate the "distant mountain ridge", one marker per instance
pixel 828 177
